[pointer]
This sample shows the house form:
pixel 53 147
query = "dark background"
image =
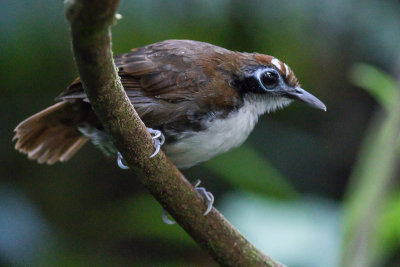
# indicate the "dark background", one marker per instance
pixel 286 188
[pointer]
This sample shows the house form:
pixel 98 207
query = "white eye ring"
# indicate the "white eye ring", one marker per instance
pixel 258 74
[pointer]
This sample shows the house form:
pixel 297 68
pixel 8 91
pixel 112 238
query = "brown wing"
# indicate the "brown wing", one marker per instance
pixel 167 81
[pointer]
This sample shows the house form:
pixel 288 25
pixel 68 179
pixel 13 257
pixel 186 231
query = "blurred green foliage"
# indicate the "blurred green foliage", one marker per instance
pixel 389 232
pixel 366 233
pixel 88 212
pixel 380 85
pixel 234 168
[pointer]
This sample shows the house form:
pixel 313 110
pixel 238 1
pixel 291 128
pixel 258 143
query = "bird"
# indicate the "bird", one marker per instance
pixel 198 98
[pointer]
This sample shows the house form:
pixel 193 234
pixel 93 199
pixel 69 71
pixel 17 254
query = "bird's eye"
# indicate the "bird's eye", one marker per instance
pixel 269 79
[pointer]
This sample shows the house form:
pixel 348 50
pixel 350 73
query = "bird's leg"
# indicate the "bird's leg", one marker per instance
pixel 208 198
pixel 159 140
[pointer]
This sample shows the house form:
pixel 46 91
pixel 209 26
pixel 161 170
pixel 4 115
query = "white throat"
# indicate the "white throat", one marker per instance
pixel 222 134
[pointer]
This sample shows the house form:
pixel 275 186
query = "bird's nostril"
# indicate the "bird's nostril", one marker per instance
pixel 298 91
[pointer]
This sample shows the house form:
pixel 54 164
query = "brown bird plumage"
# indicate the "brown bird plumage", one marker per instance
pixel 176 86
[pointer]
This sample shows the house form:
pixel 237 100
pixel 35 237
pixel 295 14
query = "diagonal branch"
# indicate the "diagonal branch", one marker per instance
pixel 91 38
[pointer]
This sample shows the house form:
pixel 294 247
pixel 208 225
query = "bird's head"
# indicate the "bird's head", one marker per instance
pixel 269 77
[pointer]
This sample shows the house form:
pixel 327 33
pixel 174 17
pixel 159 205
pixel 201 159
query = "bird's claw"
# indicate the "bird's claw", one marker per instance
pixel 208 196
pixel 121 163
pixel 165 218
pixel 159 140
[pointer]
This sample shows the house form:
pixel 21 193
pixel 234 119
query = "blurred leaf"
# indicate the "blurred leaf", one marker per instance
pixel 300 232
pixel 378 84
pixel 246 169
pixel 389 233
pixel 136 217
pixel 370 182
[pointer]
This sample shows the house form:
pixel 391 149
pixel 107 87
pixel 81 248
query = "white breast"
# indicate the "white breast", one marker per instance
pixel 222 134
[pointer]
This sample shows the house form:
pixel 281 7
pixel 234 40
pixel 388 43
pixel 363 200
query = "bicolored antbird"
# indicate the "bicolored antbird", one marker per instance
pixel 201 99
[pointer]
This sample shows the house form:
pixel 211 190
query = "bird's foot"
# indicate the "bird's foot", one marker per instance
pixel 121 162
pixel 165 218
pixel 208 198
pixel 159 140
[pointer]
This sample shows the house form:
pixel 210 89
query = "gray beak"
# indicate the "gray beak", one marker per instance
pixel 304 96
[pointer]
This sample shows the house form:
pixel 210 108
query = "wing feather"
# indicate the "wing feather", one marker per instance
pixel 167 81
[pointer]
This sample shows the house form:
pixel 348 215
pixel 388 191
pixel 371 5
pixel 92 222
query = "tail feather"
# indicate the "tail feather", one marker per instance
pixel 48 136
